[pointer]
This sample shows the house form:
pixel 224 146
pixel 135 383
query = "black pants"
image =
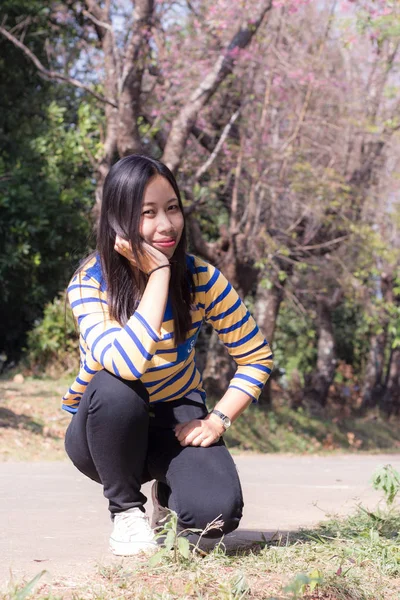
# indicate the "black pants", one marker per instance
pixel 121 441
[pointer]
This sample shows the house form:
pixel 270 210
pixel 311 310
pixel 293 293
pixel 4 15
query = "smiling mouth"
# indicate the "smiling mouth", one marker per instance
pixel 166 243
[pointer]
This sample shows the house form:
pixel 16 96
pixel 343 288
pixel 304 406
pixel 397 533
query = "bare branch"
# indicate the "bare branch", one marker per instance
pixel 103 24
pixel 206 249
pixel 223 66
pixel 218 147
pixel 100 16
pixel 53 74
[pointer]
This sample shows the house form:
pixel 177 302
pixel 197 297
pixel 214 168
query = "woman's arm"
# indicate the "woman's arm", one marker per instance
pixel 154 300
pixel 239 333
pixel 124 351
pixel 204 432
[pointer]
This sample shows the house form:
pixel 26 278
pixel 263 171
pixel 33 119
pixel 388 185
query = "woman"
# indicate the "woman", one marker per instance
pixel 138 404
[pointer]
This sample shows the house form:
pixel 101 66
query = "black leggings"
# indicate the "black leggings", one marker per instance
pixel 121 441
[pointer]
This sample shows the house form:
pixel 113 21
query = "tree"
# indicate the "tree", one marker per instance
pixel 45 186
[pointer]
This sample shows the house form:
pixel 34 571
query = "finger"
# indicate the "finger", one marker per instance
pixel 188 436
pixel 209 441
pixel 186 429
pixel 180 426
pixel 198 434
pixel 197 441
pixel 183 432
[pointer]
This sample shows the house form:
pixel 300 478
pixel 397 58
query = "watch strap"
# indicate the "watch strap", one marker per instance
pixel 226 420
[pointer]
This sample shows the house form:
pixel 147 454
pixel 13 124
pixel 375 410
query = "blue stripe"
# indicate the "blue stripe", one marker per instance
pixel 236 326
pixel 86 368
pixel 167 366
pixel 166 351
pixel 168 336
pixel 138 343
pixel 127 360
pixel 114 366
pixel 69 408
pixel 246 338
pixel 250 351
pixel 74 287
pixel 200 270
pixel 260 368
pixel 228 311
pixel 249 379
pixel 200 305
pixel 81 382
pixel 175 378
pixel 196 325
pixel 82 349
pixel 103 353
pixel 209 284
pixel 86 301
pixel 245 391
pixel 82 317
pixel 72 392
pixel 88 330
pixel 100 337
pixel 149 330
pixel 219 298
pixel 182 391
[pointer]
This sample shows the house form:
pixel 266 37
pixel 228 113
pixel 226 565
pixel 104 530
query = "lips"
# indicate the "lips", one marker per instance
pixel 165 243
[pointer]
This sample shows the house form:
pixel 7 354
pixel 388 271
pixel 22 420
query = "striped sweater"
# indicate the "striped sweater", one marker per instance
pixel 137 351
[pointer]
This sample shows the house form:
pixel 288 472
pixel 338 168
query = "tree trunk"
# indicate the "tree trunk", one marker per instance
pixel 266 310
pixel 219 369
pixel 372 387
pixel 391 399
pixel 316 393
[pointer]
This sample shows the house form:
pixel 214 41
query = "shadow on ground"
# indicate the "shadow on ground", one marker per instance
pixel 11 420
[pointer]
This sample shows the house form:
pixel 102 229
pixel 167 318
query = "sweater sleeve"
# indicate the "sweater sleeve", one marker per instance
pixel 124 351
pixel 239 333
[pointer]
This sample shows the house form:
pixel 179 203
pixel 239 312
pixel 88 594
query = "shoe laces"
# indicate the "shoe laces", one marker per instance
pixel 135 522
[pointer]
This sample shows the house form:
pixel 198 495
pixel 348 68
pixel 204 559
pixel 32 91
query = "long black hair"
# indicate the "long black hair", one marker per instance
pixel 123 192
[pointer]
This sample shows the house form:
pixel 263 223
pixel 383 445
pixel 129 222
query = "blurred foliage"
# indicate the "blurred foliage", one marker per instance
pixel 46 188
pixel 53 345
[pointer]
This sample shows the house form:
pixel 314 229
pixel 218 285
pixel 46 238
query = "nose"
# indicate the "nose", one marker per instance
pixel 163 223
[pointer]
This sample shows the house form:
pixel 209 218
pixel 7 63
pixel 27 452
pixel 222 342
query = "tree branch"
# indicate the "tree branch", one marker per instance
pixel 53 74
pixel 218 147
pixel 224 65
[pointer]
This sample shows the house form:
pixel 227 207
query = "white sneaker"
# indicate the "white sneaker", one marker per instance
pixel 132 533
pixel 160 513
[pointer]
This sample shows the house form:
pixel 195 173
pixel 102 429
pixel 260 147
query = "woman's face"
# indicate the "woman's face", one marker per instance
pixel 161 223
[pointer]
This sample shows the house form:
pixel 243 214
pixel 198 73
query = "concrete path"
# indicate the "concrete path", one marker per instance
pixel 54 518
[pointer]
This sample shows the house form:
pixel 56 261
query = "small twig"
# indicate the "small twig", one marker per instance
pixel 53 74
pixel 218 147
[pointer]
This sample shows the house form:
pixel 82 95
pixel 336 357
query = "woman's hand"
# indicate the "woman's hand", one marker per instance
pixel 151 259
pixel 199 432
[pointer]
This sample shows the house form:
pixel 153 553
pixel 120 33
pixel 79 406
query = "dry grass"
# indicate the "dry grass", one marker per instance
pixel 32 427
pixel 357 558
pixel 31 423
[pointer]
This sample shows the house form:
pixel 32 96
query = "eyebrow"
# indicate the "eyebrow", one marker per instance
pixel 155 203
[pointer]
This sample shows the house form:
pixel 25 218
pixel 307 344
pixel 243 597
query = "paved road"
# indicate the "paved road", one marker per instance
pixel 53 518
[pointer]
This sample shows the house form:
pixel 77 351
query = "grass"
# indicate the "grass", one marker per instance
pixel 32 427
pixel 356 558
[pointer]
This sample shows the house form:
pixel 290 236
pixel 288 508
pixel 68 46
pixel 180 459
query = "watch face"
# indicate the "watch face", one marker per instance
pixel 227 422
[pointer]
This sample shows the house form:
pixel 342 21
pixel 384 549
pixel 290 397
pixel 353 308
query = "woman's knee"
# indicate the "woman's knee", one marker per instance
pixel 114 395
pixel 202 511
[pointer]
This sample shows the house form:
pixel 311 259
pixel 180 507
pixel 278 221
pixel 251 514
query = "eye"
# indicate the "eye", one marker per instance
pixel 173 207
pixel 149 211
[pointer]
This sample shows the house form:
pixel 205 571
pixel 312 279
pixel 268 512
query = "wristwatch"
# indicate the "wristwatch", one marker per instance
pixel 225 420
